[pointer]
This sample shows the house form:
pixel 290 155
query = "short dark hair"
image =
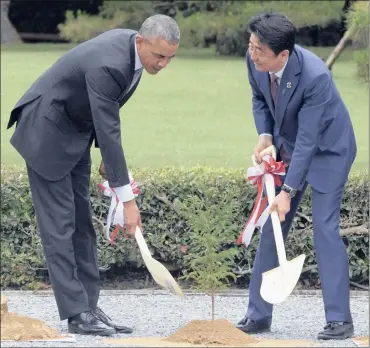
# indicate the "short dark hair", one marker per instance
pixel 274 30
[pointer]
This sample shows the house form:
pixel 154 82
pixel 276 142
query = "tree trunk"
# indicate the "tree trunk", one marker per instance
pixel 339 49
pixel 213 306
pixel 8 32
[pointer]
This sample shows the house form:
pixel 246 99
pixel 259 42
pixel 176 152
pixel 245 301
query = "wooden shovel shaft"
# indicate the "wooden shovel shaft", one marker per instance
pixel 278 234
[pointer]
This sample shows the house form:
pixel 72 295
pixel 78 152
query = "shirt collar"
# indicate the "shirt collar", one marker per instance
pixel 279 74
pixel 138 64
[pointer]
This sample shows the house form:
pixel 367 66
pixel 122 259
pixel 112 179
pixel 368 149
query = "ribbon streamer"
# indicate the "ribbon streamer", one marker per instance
pixel 256 175
pixel 117 206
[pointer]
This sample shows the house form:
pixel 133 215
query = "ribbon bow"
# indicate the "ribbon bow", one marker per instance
pixel 256 175
pixel 116 204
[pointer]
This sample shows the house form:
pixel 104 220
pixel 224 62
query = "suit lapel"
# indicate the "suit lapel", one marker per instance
pixel 130 92
pixel 127 92
pixel 288 84
pixel 265 85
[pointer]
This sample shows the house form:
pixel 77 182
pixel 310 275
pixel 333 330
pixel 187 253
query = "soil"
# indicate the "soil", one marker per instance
pixel 361 341
pixel 218 331
pixel 150 342
pixel 4 306
pixel 205 333
pixel 15 327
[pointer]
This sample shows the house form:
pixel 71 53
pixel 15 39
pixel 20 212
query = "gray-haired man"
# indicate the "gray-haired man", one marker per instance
pixel 73 103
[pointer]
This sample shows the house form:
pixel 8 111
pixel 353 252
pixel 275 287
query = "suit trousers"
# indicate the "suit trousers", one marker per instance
pixel 64 219
pixel 330 253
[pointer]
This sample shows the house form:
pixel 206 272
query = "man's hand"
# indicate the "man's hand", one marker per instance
pixel 102 171
pixel 281 204
pixel 264 142
pixel 132 217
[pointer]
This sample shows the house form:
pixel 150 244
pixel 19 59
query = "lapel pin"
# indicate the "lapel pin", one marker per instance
pixel 289 85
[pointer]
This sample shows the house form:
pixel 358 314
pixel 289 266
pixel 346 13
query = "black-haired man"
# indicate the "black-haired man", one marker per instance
pixel 297 107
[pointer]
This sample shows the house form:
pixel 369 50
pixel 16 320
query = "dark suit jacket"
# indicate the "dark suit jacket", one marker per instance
pixel 77 99
pixel 310 119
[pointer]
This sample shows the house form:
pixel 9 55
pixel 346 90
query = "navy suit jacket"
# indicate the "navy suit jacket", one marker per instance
pixel 310 120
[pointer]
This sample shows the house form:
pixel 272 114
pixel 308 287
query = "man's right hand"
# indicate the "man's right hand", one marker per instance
pixel 132 217
pixel 264 142
pixel 102 171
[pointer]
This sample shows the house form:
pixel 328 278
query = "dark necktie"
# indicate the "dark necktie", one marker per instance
pixel 274 87
pixel 284 154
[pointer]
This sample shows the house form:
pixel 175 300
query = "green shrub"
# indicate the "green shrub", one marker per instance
pixel 113 14
pixel 228 23
pixel 21 250
pixel 362 61
pixel 357 21
pixel 167 230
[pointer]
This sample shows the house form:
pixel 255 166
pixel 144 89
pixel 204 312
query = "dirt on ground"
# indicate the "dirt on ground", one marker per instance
pixel 218 331
pixel 208 333
pixel 22 328
pixel 361 341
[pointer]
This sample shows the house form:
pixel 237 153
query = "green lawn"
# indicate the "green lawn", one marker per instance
pixel 195 112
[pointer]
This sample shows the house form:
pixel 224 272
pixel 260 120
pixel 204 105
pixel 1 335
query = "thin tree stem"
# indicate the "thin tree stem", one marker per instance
pixel 213 306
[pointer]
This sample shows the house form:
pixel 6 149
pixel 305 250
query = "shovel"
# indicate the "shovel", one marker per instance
pixel 159 273
pixel 278 283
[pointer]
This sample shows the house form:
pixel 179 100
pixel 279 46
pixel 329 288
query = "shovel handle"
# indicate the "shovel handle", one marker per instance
pixel 271 150
pixel 270 189
pixel 278 233
pixel 141 242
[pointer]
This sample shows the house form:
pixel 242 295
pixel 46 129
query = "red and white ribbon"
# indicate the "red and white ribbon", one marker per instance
pixel 116 205
pixel 256 175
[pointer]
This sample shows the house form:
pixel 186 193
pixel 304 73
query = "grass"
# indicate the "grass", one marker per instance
pixel 195 112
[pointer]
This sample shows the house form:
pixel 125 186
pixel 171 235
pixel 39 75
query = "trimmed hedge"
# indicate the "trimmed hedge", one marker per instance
pixel 166 229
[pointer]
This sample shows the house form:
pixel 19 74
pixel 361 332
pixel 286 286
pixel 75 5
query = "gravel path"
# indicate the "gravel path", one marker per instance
pixel 154 313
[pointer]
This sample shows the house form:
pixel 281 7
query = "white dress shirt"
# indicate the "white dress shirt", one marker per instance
pixel 125 193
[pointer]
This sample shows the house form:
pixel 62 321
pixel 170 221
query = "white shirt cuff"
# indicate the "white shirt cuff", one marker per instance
pixel 124 193
pixel 266 134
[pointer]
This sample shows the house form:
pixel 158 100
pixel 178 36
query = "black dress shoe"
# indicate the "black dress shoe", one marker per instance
pixel 254 326
pixel 243 321
pixel 337 330
pixel 108 321
pixel 87 323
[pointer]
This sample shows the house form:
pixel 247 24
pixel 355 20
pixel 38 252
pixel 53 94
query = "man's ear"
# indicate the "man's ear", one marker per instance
pixel 139 39
pixel 285 54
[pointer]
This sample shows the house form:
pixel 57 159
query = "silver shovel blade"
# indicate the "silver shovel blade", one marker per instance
pixel 278 283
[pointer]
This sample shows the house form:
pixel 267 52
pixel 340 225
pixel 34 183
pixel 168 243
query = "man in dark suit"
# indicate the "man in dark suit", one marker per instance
pixel 297 108
pixel 76 101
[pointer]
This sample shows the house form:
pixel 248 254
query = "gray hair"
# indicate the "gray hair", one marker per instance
pixel 161 26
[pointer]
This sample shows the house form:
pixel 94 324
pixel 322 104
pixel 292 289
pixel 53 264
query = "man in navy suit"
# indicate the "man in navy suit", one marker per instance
pixel 297 108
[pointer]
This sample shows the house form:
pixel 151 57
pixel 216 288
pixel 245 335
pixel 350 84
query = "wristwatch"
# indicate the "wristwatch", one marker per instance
pixel 289 190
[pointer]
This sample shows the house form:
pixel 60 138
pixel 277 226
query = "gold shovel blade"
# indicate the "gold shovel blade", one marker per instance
pixel 162 276
pixel 278 283
pixel 159 273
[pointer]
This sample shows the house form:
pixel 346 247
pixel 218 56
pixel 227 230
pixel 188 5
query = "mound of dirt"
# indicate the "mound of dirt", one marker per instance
pixel 361 341
pixel 21 328
pixel 206 332
pixel 4 305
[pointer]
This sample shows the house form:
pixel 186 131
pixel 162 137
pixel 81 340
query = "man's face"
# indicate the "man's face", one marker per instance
pixel 264 58
pixel 155 54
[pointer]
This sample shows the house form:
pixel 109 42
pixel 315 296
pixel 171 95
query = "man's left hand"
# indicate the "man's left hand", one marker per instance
pixel 281 204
